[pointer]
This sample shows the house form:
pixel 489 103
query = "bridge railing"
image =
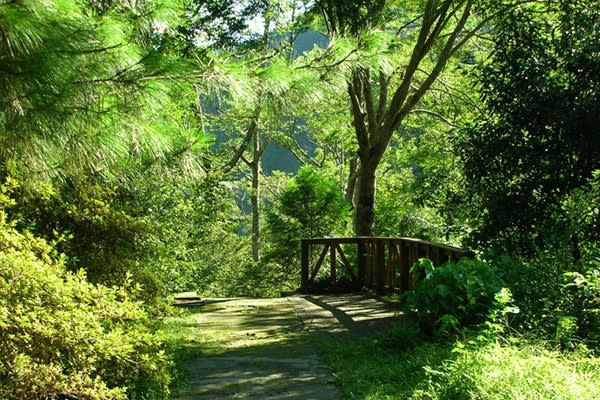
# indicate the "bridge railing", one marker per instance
pixel 383 263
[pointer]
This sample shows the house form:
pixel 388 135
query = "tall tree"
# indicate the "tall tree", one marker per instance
pixel 409 50
pixel 274 91
pixel 261 89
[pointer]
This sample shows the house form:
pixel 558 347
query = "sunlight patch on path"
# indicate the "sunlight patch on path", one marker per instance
pixel 345 314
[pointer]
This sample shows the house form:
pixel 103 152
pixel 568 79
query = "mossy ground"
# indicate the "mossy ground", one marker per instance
pixel 246 348
pixel 242 325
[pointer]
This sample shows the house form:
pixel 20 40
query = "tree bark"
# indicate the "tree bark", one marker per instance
pixel 255 200
pixel 350 189
pixel 255 196
pixel 258 149
pixel 364 215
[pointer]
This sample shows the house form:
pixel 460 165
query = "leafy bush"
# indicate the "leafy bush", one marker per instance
pixel 581 289
pixel 558 289
pixel 582 294
pixel 556 300
pixel 63 337
pixel 91 225
pixel 535 288
pixel 453 295
pixel 192 241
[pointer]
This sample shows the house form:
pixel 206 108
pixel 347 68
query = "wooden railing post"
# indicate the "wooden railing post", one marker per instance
pixel 405 281
pixel 333 263
pixel 304 266
pixel 379 267
pixel 376 270
pixel 362 260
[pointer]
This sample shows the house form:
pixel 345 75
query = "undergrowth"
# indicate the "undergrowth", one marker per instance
pixel 463 369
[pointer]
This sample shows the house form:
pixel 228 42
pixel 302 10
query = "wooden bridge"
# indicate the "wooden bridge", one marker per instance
pixel 382 264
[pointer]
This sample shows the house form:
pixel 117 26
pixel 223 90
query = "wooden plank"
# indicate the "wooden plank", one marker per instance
pixel 369 264
pixel 448 255
pixel 393 260
pixel 405 282
pixel 362 260
pixel 371 269
pixel 436 257
pixel 319 262
pixel 414 257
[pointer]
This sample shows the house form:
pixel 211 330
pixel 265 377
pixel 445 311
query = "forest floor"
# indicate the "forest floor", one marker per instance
pixel 266 348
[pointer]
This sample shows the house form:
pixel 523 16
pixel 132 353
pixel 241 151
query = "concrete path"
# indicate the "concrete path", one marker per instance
pixel 265 352
pixel 346 314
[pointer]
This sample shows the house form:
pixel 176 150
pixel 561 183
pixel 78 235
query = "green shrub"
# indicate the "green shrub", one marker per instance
pixel 91 224
pixel 310 206
pixel 193 239
pixel 535 287
pixel 63 337
pixel 453 295
pixel 557 288
pixel 558 300
pixel 582 301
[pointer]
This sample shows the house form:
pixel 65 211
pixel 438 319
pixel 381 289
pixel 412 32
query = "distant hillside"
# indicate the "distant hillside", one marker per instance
pixel 278 158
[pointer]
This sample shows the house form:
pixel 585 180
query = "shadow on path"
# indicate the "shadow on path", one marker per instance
pixel 345 314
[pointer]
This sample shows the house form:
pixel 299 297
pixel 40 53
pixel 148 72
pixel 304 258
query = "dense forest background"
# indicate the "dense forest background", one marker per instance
pixel 153 147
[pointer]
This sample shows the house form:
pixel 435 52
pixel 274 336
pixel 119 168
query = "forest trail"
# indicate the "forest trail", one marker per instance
pixel 260 348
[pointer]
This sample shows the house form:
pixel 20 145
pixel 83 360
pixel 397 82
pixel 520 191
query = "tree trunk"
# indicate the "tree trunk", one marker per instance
pixel 376 119
pixel 350 189
pixel 364 215
pixel 255 198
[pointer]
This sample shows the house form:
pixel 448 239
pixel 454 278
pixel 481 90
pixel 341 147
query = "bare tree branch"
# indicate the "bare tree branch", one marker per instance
pixel 447 52
pixel 243 146
pixel 434 114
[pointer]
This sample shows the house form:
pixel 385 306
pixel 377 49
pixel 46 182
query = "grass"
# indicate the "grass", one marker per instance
pixel 397 365
pixel 407 368
pixel 497 372
pixel 368 369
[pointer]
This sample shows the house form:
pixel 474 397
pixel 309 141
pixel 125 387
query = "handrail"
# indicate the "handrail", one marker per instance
pixel 382 261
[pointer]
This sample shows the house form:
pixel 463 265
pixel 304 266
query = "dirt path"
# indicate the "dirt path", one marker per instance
pixel 260 348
